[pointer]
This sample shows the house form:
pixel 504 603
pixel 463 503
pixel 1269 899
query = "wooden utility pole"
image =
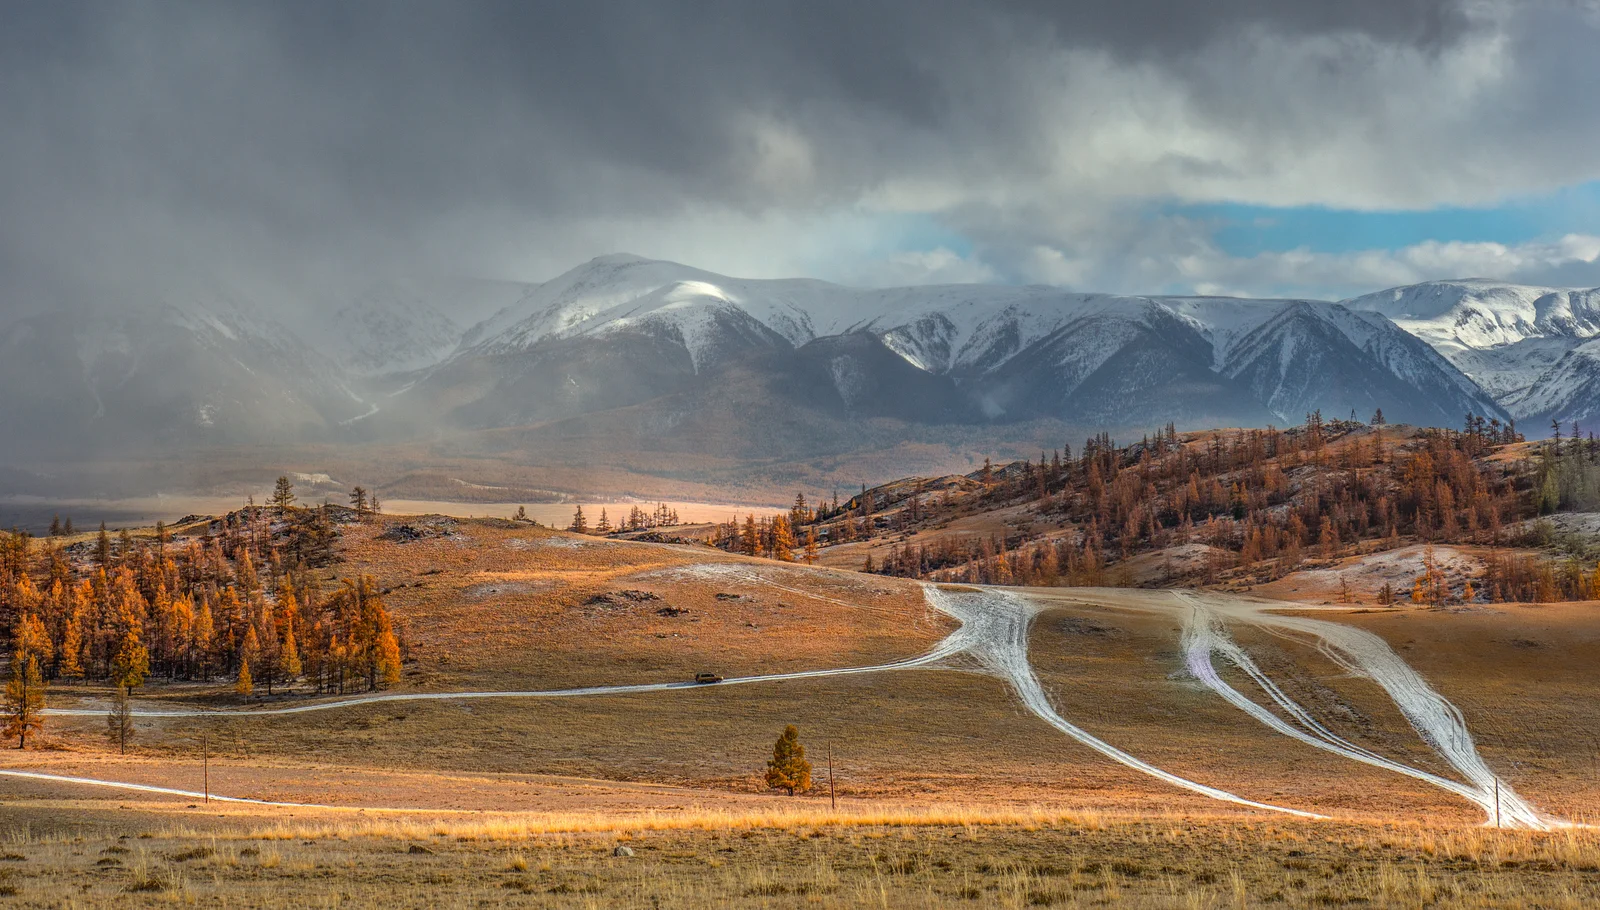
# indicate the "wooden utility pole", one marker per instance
pixel 833 796
pixel 205 762
pixel 1497 802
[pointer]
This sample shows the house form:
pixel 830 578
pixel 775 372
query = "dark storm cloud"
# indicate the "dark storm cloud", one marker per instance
pixel 144 142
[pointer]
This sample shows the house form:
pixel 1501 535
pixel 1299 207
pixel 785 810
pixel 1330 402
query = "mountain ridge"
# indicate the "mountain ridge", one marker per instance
pixel 622 331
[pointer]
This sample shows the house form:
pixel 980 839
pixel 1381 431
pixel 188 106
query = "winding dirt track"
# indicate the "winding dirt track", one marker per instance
pixel 993 633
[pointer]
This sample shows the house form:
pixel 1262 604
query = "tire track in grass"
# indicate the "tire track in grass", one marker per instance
pixel 1437 721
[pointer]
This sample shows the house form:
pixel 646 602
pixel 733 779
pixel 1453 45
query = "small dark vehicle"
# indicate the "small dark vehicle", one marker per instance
pixel 707 678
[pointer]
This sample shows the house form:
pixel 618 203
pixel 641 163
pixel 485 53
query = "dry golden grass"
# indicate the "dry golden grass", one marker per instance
pixel 950 858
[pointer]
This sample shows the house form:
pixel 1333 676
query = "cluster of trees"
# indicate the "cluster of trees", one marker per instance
pixel 1569 472
pixel 241 604
pixel 1264 495
pixel 1267 498
pixel 773 537
pixel 1528 577
pixel 638 520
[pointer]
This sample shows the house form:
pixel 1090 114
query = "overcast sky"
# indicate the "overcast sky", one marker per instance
pixel 1254 147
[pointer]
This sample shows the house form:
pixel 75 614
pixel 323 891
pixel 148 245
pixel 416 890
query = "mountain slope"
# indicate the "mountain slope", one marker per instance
pixel 402 326
pixel 1308 357
pixel 998 353
pixel 1506 337
pixel 164 375
pixel 1568 390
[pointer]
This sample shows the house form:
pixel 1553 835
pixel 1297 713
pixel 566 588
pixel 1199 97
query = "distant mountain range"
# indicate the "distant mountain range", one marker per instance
pixel 623 342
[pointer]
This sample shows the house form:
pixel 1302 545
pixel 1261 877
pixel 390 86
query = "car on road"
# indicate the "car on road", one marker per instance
pixel 707 678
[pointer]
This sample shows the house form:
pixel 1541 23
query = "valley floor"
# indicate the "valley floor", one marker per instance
pixel 1101 746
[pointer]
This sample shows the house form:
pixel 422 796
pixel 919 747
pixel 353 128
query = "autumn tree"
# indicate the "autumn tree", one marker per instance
pixel 358 500
pixel 788 769
pixel 131 664
pixel 102 547
pixel 580 524
pixel 24 703
pixel 782 539
pixel 282 495
pixel 290 655
pixel 119 720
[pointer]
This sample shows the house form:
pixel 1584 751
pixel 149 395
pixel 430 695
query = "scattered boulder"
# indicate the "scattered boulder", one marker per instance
pixel 658 537
pixel 418 530
pixel 613 598
pixel 622 850
pixel 419 849
pixel 671 611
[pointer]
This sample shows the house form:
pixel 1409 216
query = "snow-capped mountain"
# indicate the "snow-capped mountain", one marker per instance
pixel 621 330
pixel 668 348
pixel 1508 338
pixel 165 373
pixel 1568 390
pixel 398 327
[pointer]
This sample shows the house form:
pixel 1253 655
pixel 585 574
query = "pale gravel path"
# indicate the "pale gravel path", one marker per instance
pixel 150 788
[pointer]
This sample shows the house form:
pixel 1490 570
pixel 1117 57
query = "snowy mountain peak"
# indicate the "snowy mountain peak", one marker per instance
pixel 1477 313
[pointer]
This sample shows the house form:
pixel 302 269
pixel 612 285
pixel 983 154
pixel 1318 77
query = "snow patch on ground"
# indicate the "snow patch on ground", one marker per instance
pixel 1397 567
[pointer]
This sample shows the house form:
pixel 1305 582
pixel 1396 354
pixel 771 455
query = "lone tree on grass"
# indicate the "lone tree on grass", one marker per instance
pixel 119 720
pixel 282 495
pixel 788 769
pixel 24 704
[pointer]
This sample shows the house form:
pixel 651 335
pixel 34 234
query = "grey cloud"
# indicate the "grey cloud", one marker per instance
pixel 141 143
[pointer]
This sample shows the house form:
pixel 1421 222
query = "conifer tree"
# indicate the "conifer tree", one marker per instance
pixel 750 539
pixel 282 495
pixel 119 720
pixel 244 685
pixel 70 664
pixel 782 539
pixel 387 664
pixel 604 526
pixel 788 769
pixel 132 662
pixel 580 524
pixel 24 704
pixel 292 668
